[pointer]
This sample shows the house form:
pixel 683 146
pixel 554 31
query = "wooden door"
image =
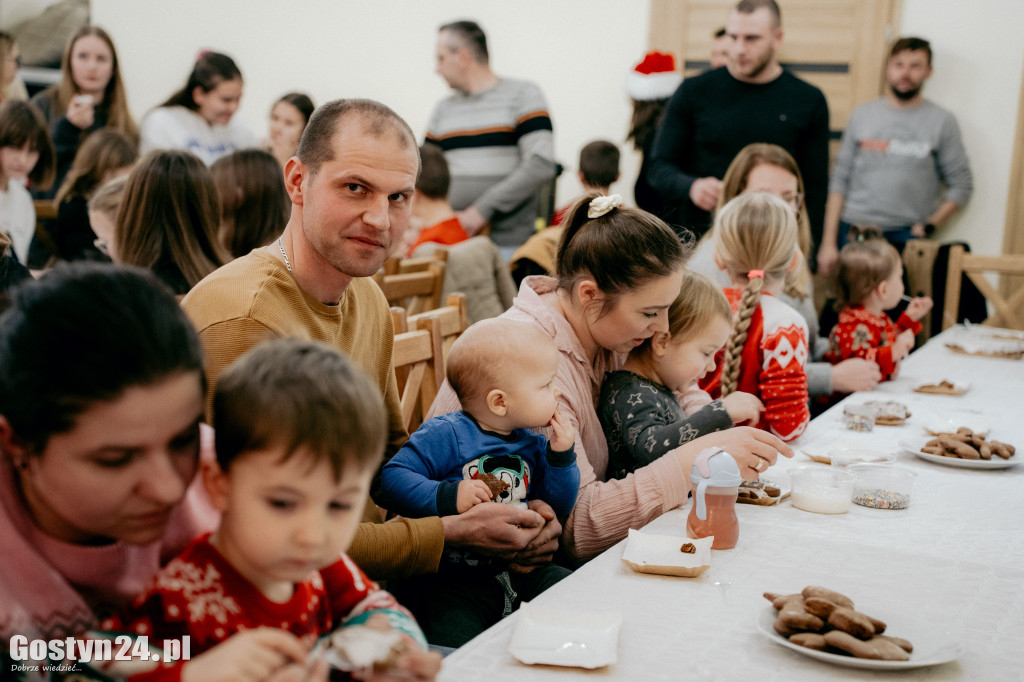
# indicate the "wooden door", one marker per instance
pixel 838 45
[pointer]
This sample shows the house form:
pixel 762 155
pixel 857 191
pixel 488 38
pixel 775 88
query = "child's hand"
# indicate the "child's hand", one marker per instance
pixel 904 342
pixel 564 434
pixel 471 493
pixel 255 654
pixel 918 307
pixel 743 407
pixel 414 663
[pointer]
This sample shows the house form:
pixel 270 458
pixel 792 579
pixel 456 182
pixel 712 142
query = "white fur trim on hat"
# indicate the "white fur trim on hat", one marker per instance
pixel 643 87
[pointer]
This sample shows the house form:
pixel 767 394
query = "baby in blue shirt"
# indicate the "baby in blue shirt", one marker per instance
pixel 503 372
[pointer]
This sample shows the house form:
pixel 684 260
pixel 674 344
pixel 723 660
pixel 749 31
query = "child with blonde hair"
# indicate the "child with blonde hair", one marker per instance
pixel 503 372
pixel 653 404
pixel 756 245
pixel 869 281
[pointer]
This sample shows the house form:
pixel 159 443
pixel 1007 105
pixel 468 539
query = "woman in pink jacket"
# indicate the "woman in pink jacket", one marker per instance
pixel 619 269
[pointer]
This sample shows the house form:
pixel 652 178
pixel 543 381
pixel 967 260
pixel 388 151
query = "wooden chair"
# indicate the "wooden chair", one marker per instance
pixel 418 291
pixel 419 368
pixel 974 266
pixel 397 265
pixel 454 317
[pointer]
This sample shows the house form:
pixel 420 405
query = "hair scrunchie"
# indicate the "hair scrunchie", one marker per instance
pixel 599 206
pixel 759 274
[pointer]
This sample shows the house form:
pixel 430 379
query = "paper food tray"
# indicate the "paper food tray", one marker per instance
pixel 646 553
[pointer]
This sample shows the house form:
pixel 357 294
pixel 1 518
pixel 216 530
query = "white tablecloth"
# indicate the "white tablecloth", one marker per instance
pixel 950 568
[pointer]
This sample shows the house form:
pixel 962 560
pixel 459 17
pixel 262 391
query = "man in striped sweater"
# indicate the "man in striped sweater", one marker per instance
pixel 496 136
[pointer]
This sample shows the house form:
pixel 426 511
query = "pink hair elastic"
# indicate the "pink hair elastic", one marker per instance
pixel 755 274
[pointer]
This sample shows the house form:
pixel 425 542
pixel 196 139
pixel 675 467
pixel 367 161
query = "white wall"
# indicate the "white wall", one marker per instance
pixel 978 64
pixel 577 50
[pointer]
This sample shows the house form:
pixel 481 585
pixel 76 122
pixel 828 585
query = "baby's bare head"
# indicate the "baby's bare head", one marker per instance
pixel 496 354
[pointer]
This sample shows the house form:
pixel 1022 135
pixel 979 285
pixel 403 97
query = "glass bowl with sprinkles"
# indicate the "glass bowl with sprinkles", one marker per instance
pixel 882 486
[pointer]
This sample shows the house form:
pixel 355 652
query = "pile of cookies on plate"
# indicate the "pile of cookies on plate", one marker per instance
pixel 824 620
pixel 965 444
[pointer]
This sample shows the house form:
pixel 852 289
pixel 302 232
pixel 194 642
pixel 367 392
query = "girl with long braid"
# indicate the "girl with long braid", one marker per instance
pixel 767 349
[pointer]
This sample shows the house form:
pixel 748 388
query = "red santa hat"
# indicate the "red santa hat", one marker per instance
pixel 653 78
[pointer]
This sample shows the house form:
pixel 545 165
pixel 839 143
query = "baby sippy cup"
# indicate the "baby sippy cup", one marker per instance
pixel 717 480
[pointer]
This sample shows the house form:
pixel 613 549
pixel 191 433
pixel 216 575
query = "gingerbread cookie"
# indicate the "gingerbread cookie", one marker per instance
pixel 942 388
pixel 888 412
pixel 494 484
pixel 759 493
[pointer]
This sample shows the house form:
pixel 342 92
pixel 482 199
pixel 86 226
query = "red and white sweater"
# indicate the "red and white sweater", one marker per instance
pixel 201 595
pixel 771 365
pixel 860 334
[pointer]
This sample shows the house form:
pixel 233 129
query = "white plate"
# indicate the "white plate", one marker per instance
pixel 557 637
pixel 925 653
pixel 996 462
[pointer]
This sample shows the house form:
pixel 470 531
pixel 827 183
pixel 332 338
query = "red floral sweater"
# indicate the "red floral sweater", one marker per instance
pixel 771 366
pixel 860 334
pixel 200 595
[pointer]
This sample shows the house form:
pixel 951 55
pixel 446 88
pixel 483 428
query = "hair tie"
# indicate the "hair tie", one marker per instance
pixel 602 205
pixel 755 274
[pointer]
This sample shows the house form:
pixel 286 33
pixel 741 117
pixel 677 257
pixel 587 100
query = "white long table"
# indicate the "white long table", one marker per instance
pixel 949 568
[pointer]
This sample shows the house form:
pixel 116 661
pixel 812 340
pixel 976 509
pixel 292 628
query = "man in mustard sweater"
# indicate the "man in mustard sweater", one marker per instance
pixel 351 185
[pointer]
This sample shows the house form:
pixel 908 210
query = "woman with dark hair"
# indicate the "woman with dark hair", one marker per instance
pixel 200 116
pixel 96 470
pixel 619 270
pixel 288 118
pixel 168 220
pixel 254 204
pixel 25 151
pixel 105 154
pixel 89 96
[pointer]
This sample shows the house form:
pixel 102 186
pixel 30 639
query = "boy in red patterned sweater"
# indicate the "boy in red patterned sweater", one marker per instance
pixel 300 432
pixel 869 281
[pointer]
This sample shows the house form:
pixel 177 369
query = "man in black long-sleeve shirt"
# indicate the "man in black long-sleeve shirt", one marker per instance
pixel 711 117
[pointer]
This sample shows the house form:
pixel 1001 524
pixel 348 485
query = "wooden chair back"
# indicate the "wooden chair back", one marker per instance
pixel 397 265
pixel 419 368
pixel 1006 308
pixel 454 317
pixel 417 291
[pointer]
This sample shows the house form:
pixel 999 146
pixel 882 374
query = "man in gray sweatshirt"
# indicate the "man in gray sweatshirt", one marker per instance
pixel 901 165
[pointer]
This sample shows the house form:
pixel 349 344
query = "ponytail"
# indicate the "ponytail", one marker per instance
pixel 620 248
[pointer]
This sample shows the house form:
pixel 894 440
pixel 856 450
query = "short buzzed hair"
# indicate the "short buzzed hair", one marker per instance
pixel 751 6
pixel 599 163
pixel 911 44
pixel 470 36
pixel 316 145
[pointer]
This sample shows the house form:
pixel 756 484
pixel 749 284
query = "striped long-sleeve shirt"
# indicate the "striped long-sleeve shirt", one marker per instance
pixel 500 151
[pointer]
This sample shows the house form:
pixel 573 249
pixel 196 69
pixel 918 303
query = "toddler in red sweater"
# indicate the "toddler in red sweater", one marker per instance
pixel 300 432
pixel 869 281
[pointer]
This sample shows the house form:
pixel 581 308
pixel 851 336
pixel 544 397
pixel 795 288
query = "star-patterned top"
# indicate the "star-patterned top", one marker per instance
pixel 860 334
pixel 771 365
pixel 642 420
